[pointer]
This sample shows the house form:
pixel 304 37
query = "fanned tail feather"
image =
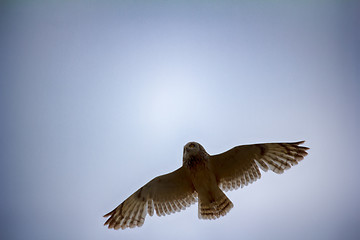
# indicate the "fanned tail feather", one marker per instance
pixel 215 209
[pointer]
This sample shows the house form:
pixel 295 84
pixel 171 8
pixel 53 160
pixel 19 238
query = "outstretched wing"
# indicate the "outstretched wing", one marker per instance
pixel 240 165
pixel 166 194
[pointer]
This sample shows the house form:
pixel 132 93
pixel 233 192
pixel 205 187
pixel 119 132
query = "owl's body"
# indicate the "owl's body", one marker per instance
pixel 202 177
pixel 213 203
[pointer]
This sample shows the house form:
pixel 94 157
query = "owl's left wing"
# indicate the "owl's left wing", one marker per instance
pixel 240 165
pixel 165 194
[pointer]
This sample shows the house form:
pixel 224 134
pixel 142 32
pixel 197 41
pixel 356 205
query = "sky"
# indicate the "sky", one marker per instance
pixel 99 97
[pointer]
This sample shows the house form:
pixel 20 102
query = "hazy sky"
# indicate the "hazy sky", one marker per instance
pixel 99 97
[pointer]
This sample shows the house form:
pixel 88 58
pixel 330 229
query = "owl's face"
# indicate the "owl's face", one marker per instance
pixel 194 154
pixel 191 148
pixel 194 149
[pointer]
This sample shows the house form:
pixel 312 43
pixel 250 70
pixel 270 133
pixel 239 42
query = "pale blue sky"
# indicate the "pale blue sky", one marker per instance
pixel 99 97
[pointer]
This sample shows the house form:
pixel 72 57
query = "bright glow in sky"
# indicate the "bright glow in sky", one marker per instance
pixel 99 97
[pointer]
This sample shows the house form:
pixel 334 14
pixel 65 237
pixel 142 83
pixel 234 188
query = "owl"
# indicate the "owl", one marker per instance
pixel 203 178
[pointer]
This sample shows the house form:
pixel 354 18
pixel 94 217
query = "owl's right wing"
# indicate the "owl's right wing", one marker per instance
pixel 166 194
pixel 240 165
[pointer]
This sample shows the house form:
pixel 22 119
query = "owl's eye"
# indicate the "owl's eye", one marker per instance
pixel 191 145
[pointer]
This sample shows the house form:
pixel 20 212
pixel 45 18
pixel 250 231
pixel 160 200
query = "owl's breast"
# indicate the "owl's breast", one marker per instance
pixel 194 163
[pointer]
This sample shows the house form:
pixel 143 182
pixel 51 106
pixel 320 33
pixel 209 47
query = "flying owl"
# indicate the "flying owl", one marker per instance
pixel 203 178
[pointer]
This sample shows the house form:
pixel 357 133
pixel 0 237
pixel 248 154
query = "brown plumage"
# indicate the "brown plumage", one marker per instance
pixel 202 177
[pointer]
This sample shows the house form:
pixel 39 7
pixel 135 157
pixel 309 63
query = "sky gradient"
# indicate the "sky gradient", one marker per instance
pixel 99 97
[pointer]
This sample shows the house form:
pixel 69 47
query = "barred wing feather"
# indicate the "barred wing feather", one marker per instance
pixel 240 165
pixel 164 194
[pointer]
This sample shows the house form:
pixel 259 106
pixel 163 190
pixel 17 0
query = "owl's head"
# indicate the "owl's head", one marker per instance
pixel 193 149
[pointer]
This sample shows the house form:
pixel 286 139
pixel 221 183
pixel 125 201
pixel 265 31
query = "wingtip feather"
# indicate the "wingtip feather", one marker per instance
pixel 109 213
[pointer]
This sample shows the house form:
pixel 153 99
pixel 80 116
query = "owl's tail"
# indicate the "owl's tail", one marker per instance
pixel 214 205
